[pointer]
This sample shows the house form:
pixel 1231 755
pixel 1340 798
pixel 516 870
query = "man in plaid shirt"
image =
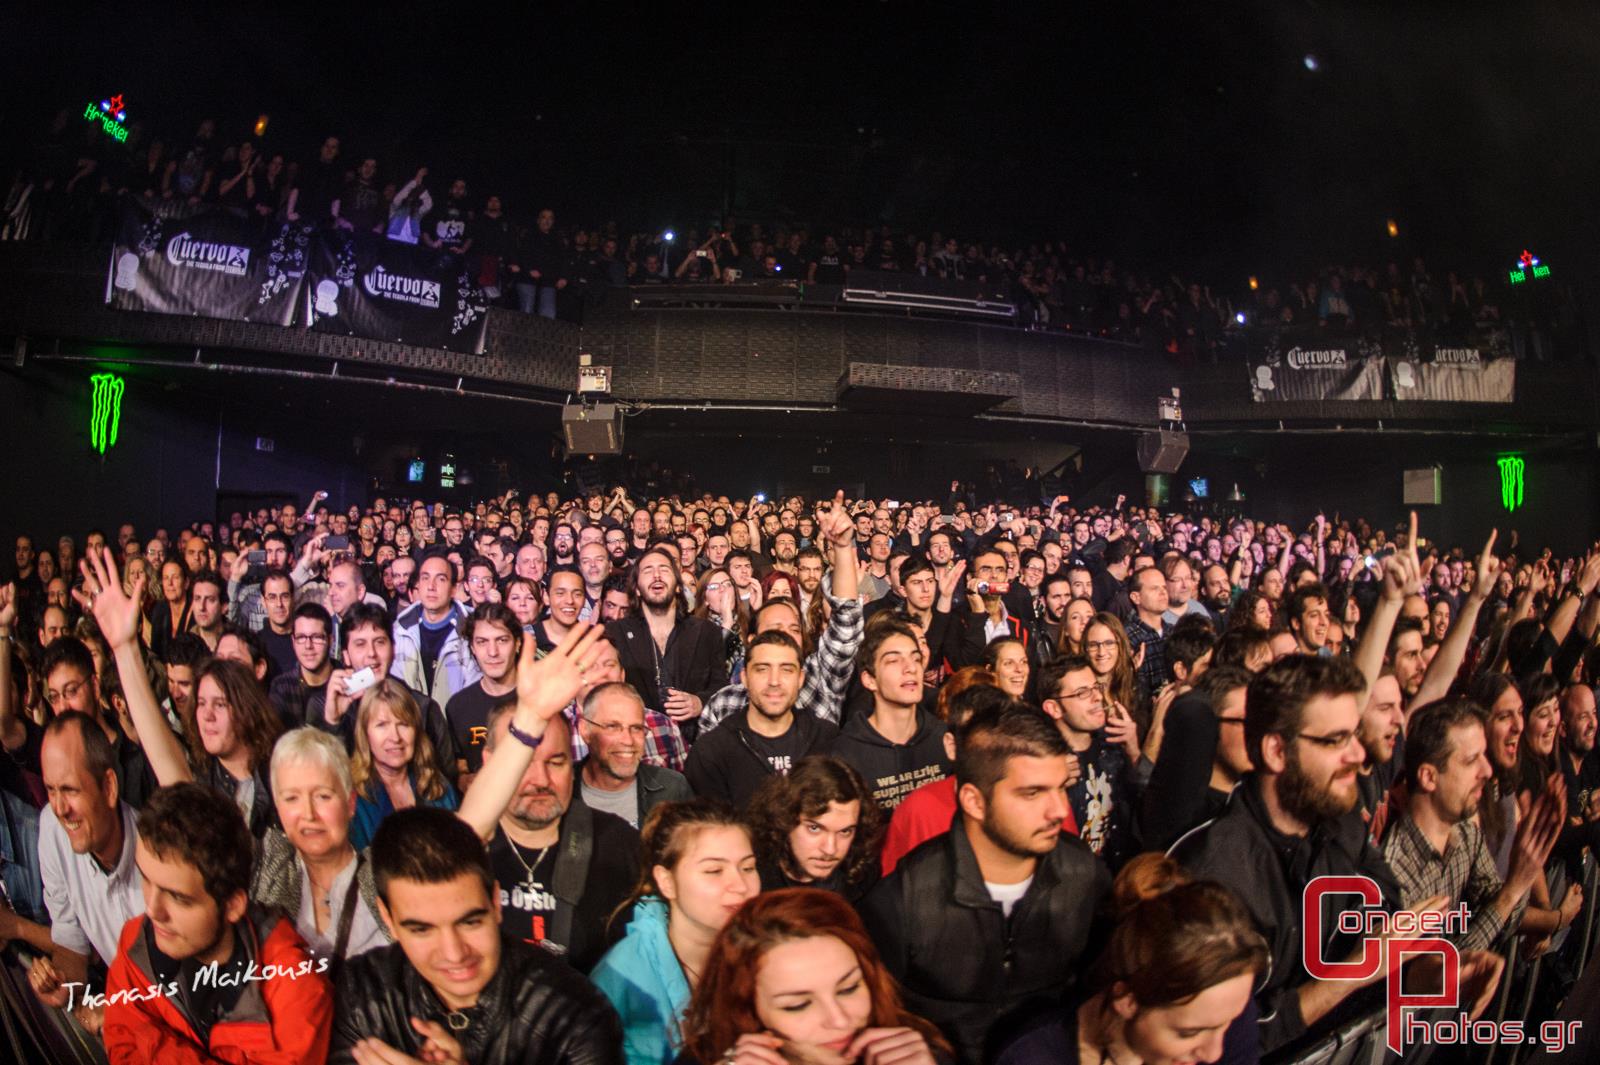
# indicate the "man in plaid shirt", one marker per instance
pixel 829 667
pixel 663 743
pixel 1437 849
pixel 1147 632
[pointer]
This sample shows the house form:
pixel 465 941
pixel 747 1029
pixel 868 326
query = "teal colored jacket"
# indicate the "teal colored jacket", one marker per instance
pixel 642 978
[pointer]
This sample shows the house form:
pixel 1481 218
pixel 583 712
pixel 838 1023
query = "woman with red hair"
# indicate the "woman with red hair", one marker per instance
pixel 794 977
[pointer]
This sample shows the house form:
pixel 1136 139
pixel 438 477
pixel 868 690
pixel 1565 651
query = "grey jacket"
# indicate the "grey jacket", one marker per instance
pixel 277 882
pixel 655 785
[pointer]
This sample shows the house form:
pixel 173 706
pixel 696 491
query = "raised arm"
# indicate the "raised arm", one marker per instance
pixel 544 688
pixel 118 617
pixel 12 731
pixel 1447 660
pixel 1401 573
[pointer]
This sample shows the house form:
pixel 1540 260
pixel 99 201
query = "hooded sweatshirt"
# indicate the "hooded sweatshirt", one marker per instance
pixel 894 770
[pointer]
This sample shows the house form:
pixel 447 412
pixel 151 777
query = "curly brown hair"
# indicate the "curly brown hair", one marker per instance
pixel 815 782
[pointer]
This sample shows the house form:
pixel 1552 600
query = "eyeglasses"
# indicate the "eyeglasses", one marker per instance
pixel 1333 741
pixel 1100 645
pixel 617 728
pixel 716 586
pixel 310 640
pixel 1231 721
pixel 1082 693
pixel 67 692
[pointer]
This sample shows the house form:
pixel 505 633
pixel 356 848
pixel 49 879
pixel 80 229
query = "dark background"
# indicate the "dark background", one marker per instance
pixel 1175 137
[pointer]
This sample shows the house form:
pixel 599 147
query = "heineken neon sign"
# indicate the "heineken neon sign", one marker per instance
pixel 105 411
pixel 112 116
pixel 1528 267
pixel 1513 471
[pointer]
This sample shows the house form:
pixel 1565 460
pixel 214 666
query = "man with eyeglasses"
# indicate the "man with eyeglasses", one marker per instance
pixel 1290 820
pixel 276 599
pixel 1103 797
pixel 614 778
pixel 311 630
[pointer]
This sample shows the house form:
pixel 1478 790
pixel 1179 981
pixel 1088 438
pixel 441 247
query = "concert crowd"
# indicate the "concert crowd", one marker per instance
pixel 599 778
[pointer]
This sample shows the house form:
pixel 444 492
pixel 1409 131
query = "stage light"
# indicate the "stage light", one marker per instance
pixel 667 236
pixel 1254 284
pixel 261 125
pixel 1312 63
pixel 1239 318
pixel 1393 228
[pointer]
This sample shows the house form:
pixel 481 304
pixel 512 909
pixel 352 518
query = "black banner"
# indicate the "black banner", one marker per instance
pixel 208 261
pixel 1281 370
pixel 361 284
pixel 1456 375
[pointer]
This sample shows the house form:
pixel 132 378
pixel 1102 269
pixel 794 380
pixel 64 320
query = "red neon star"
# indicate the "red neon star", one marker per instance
pixel 1526 258
pixel 116 106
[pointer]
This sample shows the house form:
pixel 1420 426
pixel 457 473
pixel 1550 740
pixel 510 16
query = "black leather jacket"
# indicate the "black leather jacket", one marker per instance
pixel 535 1010
pixel 962 963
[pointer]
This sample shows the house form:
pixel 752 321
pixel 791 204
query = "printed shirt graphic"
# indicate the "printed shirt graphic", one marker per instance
pixel 526 902
pixel 1101 801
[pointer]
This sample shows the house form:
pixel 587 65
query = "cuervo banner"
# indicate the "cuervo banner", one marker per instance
pixel 1284 370
pixel 362 284
pixel 176 258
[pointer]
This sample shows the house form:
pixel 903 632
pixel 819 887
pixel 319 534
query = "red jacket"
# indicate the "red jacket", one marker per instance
pixel 928 812
pixel 283 1020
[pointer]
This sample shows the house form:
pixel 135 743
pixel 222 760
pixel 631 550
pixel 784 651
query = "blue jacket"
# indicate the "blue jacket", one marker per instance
pixel 642 978
pixel 373 805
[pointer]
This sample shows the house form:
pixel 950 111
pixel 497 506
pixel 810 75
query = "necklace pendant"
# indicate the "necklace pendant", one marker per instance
pixel 457 1021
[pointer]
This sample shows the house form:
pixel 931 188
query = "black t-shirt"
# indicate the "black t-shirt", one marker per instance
pixel 468 714
pixel 319 184
pixel 781 752
pixel 830 268
pixel 450 223
pixel 527 904
pixel 280 648
pixel 527 907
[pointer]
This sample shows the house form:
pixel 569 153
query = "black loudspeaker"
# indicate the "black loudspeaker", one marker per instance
pixel 594 429
pixel 1162 452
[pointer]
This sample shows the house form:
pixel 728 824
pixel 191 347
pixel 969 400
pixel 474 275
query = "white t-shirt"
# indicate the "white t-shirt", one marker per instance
pixel 1007 895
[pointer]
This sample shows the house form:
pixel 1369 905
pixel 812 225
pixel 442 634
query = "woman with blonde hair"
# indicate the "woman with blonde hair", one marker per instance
pixel 394 765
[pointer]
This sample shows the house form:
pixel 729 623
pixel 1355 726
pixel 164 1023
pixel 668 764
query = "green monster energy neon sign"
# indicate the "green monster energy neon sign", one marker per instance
pixel 1512 469
pixel 105 412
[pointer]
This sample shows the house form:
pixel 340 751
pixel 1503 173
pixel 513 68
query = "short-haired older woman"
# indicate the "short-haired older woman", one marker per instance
pixel 309 869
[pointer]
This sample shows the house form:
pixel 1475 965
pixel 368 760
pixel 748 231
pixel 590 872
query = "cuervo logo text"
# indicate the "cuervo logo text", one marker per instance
pixel 184 250
pixel 380 282
pixel 1302 359
pixel 1458 356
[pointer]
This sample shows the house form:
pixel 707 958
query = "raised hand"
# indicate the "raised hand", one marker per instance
pixel 545 686
pixel 950 580
pixel 834 524
pixel 116 611
pixel 1487 570
pixel 8 606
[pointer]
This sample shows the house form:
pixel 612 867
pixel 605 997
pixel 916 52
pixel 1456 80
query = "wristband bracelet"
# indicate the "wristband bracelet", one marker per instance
pixel 530 742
